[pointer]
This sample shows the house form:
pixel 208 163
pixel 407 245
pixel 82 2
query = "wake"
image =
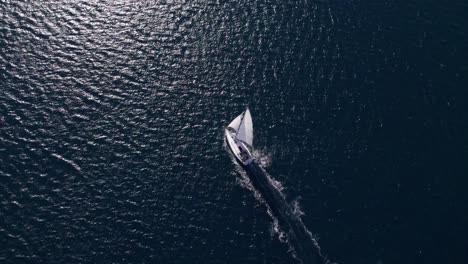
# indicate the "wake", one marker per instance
pixel 301 242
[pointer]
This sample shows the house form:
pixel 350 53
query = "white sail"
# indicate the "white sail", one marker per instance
pixel 236 122
pixel 245 131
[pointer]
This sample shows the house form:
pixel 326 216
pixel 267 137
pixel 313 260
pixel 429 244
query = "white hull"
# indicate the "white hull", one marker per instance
pixel 239 149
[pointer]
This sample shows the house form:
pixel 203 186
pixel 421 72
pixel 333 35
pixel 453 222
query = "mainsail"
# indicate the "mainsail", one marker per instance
pixel 245 130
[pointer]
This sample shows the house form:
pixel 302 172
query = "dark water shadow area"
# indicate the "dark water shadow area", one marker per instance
pixel 302 244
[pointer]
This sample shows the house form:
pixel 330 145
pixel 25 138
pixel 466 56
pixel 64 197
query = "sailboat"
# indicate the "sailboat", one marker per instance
pixel 239 135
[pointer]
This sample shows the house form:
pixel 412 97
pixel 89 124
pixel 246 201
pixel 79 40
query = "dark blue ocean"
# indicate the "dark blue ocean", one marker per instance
pixel 112 116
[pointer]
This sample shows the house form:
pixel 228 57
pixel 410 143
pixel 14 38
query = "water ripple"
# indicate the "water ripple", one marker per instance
pixel 111 120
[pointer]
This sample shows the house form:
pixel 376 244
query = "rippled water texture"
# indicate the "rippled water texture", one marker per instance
pixel 112 116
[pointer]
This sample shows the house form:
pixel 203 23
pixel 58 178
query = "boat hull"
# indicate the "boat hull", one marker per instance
pixel 239 149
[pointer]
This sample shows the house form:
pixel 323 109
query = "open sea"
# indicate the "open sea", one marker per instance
pixel 112 117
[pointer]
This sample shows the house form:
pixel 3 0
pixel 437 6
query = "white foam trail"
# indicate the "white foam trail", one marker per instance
pixel 277 184
pixel 297 208
pixel 245 182
pixel 294 231
pixel 262 157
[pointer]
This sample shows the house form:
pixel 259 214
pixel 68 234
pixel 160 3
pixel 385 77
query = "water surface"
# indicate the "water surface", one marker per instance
pixel 112 116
